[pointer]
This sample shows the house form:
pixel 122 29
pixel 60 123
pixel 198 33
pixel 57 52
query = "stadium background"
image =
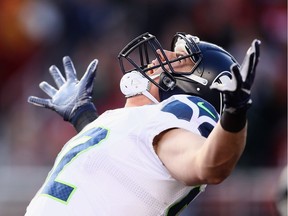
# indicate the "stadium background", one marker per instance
pixel 35 34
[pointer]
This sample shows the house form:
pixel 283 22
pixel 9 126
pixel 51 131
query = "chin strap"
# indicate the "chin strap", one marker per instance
pixel 150 96
pixel 134 83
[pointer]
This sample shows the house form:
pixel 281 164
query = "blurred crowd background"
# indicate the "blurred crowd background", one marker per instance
pixel 35 34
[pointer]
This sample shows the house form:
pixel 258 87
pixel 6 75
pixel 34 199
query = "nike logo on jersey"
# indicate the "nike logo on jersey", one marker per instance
pixel 206 114
pixel 202 106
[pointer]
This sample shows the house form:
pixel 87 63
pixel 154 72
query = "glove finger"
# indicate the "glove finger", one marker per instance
pixel 41 102
pixel 236 74
pixel 254 58
pixel 57 76
pixel 88 77
pixel 48 89
pixel 245 67
pixel 69 69
pixel 250 60
pixel 256 45
pixel 251 74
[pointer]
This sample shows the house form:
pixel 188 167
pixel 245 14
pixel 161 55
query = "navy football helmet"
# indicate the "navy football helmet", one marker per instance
pixel 211 64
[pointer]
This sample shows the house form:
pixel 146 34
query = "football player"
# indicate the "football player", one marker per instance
pixel 183 127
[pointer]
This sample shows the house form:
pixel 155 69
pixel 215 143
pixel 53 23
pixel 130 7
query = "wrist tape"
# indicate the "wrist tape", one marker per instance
pixel 233 122
pixel 84 115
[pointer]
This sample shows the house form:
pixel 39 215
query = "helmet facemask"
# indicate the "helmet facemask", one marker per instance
pixel 139 53
pixel 209 63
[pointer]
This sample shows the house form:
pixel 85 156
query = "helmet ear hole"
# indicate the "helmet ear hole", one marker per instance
pixel 167 81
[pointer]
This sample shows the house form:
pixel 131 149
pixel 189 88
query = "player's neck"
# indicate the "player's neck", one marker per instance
pixel 138 100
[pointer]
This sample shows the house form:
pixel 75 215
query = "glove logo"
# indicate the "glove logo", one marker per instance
pixel 223 77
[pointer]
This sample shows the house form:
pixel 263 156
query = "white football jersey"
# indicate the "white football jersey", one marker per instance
pixel 110 167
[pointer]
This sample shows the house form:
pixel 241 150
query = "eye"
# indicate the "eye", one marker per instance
pixel 179 55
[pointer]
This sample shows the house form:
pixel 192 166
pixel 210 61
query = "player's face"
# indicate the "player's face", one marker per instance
pixel 181 65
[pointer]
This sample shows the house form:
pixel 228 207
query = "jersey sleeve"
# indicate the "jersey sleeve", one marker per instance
pixel 187 112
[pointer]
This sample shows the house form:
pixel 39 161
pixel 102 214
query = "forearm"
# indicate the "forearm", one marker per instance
pixel 220 153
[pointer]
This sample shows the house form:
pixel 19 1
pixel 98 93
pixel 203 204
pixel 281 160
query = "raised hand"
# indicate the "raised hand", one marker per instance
pixel 237 92
pixel 73 98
